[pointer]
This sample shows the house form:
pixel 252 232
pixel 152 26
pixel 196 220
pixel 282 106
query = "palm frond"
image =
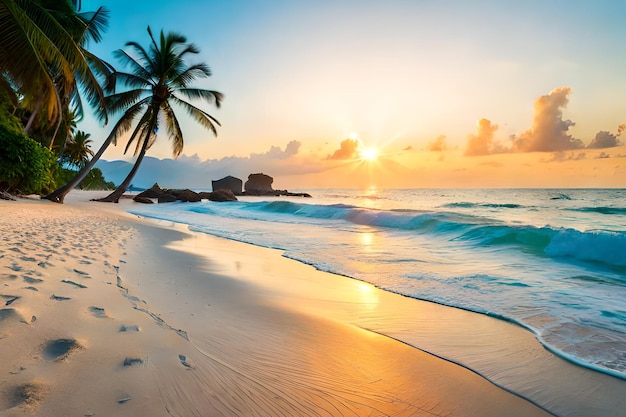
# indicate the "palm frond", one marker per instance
pixel 209 96
pixel 126 121
pixel 173 129
pixel 138 66
pixel 118 102
pixel 25 52
pixel 95 23
pixel 193 72
pixel 202 117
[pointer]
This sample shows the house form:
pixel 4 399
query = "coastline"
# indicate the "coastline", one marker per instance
pixel 171 322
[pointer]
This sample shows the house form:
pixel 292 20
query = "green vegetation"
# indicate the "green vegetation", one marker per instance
pixel 25 165
pixel 43 66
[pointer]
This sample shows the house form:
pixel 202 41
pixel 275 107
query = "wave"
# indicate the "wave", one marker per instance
pixel 620 211
pixel 598 246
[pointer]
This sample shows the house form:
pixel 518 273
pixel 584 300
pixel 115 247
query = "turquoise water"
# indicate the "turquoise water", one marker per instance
pixel 552 261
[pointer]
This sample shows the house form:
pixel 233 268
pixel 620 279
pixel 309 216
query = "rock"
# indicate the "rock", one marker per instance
pixel 222 195
pixel 166 198
pixel 144 200
pixel 153 192
pixel 228 183
pixel 259 184
pixel 186 195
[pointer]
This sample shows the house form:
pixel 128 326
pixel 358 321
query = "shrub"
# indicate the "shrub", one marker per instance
pixel 25 165
pixel 93 181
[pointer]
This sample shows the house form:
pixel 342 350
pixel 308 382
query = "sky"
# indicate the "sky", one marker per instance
pixel 396 94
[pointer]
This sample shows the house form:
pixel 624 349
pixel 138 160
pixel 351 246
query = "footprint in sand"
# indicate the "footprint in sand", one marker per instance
pixel 9 276
pixel 30 280
pixel 29 394
pixel 83 273
pixel 133 362
pixel 10 299
pixel 59 349
pixel 59 298
pixel 131 328
pixel 76 284
pixel 98 312
pixel 185 362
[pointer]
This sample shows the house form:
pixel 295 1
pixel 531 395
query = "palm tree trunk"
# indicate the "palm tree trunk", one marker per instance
pixel 56 130
pixel 31 120
pixel 114 197
pixel 59 194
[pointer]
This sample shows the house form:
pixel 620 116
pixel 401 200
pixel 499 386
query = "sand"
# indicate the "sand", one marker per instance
pixel 103 313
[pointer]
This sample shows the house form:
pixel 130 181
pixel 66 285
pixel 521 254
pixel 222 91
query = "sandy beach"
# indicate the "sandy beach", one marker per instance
pixel 104 313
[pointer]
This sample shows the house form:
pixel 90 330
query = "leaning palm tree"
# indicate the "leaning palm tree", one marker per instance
pixel 158 78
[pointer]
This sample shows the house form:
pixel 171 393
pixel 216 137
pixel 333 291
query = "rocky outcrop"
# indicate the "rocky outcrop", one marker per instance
pixel 153 192
pixel 185 195
pixel 166 198
pixel 230 183
pixel 144 200
pixel 220 195
pixel 259 184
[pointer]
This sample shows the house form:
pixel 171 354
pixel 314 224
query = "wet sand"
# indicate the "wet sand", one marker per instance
pixel 103 313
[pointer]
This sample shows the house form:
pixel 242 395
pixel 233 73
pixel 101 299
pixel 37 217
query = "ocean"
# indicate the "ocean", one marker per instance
pixel 552 261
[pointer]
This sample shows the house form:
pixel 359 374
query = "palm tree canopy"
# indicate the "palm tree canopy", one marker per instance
pixel 156 78
pixel 42 52
pixel 78 150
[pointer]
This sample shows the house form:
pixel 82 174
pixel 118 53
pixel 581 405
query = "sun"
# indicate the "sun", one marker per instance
pixel 369 154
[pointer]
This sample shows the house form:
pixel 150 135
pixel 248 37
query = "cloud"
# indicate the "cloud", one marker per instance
pixel 275 152
pixel 605 139
pixel 191 172
pixel 438 145
pixel 482 142
pixel 347 150
pixel 549 132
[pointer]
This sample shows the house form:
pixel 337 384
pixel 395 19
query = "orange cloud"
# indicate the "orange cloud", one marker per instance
pixel 482 143
pixel 549 130
pixel 605 139
pixel 438 145
pixel 347 150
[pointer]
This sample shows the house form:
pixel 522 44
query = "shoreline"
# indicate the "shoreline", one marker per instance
pixel 217 330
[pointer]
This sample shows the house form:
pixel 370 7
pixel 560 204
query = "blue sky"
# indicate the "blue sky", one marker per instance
pixel 394 74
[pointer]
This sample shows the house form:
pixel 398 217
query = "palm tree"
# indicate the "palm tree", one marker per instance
pixel 42 54
pixel 78 149
pixel 159 77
